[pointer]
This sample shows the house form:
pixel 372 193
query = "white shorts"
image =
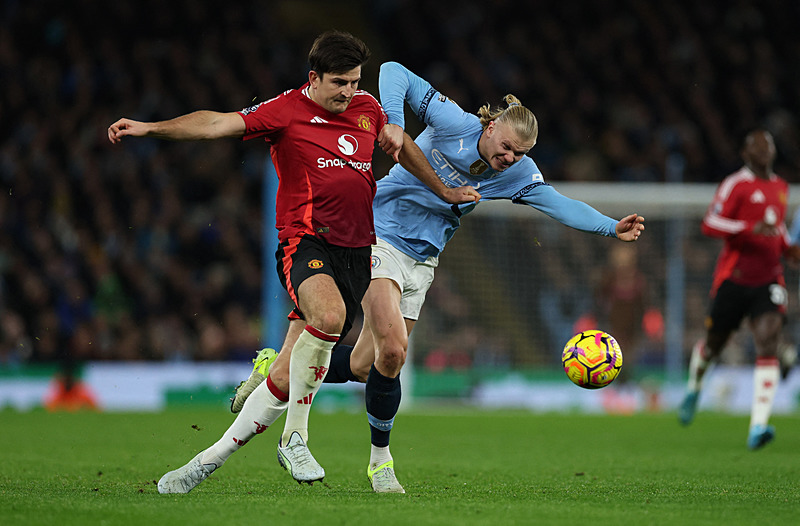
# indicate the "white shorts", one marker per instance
pixel 413 277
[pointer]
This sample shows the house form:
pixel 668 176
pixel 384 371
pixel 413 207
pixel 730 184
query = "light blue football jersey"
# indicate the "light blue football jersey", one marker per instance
pixel 414 219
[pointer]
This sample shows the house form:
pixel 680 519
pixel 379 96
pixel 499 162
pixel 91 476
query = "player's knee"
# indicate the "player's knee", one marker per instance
pixel 767 345
pixel 392 356
pixel 279 375
pixel 329 322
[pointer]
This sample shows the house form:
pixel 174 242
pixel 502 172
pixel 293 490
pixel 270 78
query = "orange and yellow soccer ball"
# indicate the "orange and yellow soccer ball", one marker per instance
pixel 592 359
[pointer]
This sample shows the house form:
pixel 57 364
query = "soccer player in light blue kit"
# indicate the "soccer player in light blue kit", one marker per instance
pixel 487 152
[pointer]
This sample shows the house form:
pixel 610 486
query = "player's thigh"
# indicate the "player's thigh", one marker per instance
pixel 365 352
pixel 411 278
pixel 307 268
pixel 382 313
pixel 729 307
pixel 321 302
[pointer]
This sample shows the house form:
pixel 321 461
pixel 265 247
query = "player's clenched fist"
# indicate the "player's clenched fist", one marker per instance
pixel 124 127
pixel 390 139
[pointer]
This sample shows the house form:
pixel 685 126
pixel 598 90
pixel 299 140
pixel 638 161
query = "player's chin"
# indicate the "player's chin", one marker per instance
pixel 340 106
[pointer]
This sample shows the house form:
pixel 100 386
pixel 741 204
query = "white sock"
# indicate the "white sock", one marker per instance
pixel 766 376
pixel 698 364
pixel 260 410
pixel 311 356
pixel 378 456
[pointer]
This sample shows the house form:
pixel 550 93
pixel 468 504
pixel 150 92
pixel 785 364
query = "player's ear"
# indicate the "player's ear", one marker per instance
pixel 314 78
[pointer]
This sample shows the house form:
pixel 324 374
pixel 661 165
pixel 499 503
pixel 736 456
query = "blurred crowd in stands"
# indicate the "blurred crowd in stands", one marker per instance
pixel 618 85
pixel 152 250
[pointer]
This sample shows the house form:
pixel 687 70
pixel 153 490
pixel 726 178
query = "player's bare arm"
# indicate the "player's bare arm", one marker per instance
pixel 412 159
pixel 198 125
pixel 630 227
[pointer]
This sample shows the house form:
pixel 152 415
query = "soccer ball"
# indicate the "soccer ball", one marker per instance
pixel 592 359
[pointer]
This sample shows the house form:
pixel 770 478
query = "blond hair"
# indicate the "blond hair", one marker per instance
pixel 516 116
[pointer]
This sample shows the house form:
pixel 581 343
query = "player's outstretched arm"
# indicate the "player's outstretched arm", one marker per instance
pixel 630 227
pixel 199 125
pixel 412 159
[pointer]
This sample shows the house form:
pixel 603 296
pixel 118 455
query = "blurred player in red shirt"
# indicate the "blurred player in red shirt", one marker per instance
pixel 68 393
pixel 748 212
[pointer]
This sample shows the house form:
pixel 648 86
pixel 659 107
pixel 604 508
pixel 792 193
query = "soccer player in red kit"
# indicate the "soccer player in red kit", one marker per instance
pixel 748 212
pixel 322 138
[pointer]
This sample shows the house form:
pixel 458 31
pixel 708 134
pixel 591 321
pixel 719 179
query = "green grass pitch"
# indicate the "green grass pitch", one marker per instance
pixel 458 467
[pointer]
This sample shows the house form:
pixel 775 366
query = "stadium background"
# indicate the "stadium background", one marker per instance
pixel 144 261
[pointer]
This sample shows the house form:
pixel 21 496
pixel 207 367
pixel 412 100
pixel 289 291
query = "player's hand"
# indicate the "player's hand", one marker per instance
pixel 630 227
pixel 390 139
pixel 762 228
pixel 792 256
pixel 124 127
pixel 461 194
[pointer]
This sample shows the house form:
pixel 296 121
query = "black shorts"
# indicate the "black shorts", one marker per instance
pixel 300 258
pixel 733 302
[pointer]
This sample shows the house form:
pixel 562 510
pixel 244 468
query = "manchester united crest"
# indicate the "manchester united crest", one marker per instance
pixel 363 122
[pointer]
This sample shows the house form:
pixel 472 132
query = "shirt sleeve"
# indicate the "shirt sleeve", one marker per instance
pixel 570 212
pixel 267 119
pixel 382 117
pixel 398 85
pixel 720 219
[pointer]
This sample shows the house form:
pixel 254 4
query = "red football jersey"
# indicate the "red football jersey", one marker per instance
pixel 324 164
pixel 741 201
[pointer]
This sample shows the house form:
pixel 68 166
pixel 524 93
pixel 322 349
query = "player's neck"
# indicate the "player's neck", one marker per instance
pixel 311 93
pixel 762 172
pixel 482 146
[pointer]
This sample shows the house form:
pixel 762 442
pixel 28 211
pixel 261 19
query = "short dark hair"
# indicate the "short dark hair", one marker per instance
pixel 337 52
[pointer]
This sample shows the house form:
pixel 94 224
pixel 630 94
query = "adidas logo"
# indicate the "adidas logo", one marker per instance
pixel 319 120
pixel 306 400
pixel 758 197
